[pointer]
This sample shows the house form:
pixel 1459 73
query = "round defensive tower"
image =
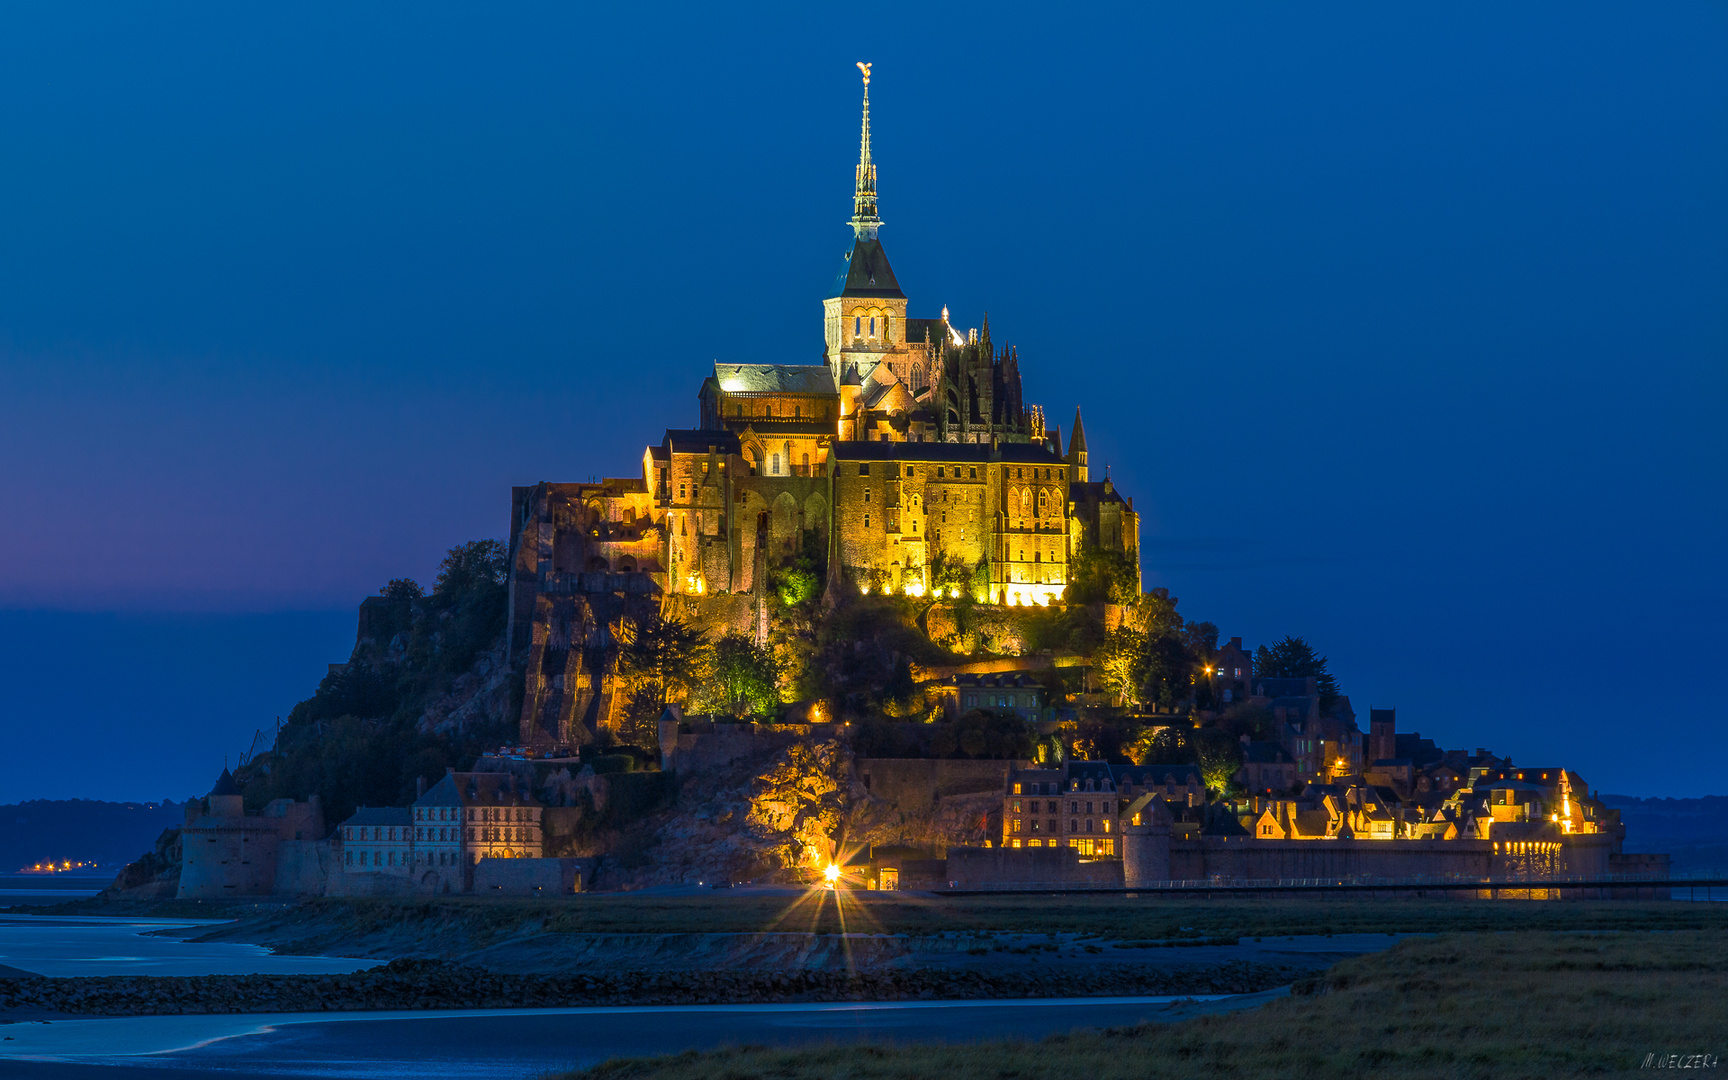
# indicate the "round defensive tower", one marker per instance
pixel 1145 842
pixel 223 852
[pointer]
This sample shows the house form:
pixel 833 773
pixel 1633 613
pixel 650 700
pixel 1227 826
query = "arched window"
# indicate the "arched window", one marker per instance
pixel 872 326
pixel 774 469
pixel 857 325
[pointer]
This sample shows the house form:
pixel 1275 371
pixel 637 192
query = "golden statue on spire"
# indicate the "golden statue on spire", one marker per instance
pixel 864 219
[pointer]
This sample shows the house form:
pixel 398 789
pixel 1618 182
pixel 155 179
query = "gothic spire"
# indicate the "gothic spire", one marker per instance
pixel 864 219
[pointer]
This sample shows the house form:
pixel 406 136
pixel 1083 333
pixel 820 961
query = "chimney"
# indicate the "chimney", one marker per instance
pixel 419 786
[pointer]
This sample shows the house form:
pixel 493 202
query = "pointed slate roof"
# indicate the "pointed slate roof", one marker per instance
pixel 225 784
pixel 1077 441
pixel 867 273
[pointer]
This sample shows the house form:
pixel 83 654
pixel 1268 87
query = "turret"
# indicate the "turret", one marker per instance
pixel 1077 449
pixel 225 799
pixel 850 387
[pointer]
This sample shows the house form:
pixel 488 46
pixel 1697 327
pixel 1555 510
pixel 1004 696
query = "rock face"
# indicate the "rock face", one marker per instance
pixel 800 803
pixel 155 875
pixel 479 698
pixel 781 815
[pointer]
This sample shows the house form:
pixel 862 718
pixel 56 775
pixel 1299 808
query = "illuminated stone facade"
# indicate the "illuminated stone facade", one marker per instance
pixel 907 446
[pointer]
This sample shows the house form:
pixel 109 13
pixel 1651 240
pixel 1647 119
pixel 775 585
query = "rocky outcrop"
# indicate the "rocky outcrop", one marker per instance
pixel 155 875
pixel 479 698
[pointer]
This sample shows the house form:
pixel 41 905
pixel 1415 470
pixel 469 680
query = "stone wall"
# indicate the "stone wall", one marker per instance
pixel 918 784
pixel 692 745
pixel 717 613
pixel 303 867
pixel 1246 858
pixel 532 877
pixel 990 868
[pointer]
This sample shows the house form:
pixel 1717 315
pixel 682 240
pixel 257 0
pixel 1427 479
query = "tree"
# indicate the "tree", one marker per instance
pixel 1219 758
pixel 950 578
pixel 665 656
pixel 402 589
pixel 1120 663
pixel 1294 658
pixel 743 678
pixel 1103 576
pixel 471 567
pixel 1145 743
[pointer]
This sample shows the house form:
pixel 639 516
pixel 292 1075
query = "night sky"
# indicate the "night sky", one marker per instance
pixel 1406 325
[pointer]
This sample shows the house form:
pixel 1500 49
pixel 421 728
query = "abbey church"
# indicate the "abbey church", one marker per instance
pixel 908 445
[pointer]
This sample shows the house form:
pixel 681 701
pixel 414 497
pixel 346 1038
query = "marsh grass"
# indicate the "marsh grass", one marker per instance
pixel 1523 1004
pixel 469 922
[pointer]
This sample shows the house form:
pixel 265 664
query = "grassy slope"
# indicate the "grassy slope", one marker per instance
pixel 1526 1004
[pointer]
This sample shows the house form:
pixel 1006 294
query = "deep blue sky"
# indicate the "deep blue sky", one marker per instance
pixel 1406 325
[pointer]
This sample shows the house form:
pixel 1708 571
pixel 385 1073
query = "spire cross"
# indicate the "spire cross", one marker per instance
pixel 864 219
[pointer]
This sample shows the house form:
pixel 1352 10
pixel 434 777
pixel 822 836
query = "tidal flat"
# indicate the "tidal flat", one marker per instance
pixel 1513 1004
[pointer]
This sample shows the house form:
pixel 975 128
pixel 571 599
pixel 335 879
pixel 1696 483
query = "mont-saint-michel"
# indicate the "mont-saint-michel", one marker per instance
pixel 865 693
pixel 870 623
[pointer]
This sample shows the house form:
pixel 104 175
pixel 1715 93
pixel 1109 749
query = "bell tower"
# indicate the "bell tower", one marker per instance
pixel 864 315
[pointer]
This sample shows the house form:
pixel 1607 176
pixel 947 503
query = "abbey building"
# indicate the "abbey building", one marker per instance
pixel 906 448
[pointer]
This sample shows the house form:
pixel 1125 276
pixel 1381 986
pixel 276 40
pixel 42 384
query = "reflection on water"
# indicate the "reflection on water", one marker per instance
pixel 517 1044
pixel 80 945
pixel 48 888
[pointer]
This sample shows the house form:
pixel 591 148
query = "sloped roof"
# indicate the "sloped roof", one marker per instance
pixel 1008 679
pixel 1095 491
pixel 381 815
pixel 225 784
pixel 698 440
pixel 867 273
pixel 1267 753
pixel 1184 775
pixel 774 378
pixel 462 789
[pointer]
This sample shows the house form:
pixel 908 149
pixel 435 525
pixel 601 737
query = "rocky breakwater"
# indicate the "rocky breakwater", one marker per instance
pixel 435 984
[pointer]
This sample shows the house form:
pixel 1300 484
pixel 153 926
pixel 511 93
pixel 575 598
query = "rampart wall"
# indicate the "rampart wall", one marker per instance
pixel 531 877
pixel 916 784
pixel 984 868
pixel 687 745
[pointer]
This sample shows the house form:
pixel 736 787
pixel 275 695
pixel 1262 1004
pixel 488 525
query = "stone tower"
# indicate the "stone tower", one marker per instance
pixel 1145 842
pixel 864 316
pixel 1382 734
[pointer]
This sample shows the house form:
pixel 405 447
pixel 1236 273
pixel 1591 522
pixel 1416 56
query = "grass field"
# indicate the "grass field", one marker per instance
pixel 321 923
pixel 1500 1005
